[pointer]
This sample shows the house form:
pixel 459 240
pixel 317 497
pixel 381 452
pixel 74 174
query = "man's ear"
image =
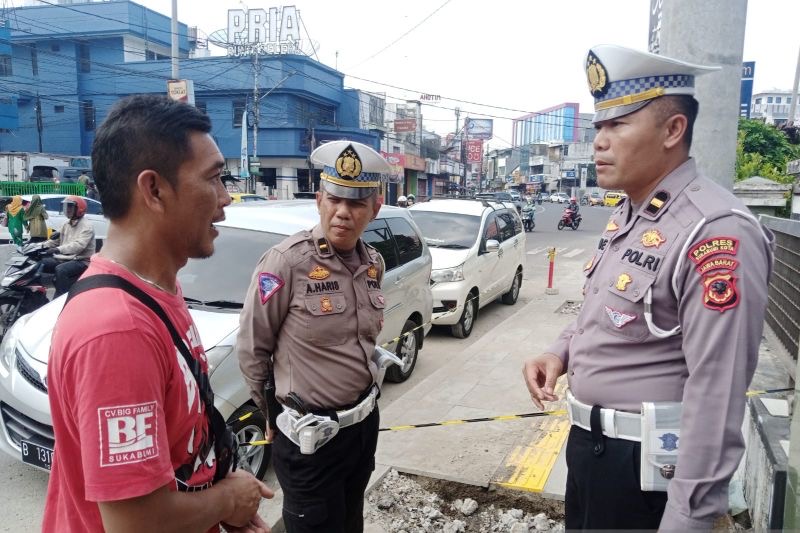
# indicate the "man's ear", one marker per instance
pixel 150 186
pixel 674 130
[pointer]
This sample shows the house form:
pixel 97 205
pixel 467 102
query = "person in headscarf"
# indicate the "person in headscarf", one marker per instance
pixel 14 215
pixel 35 217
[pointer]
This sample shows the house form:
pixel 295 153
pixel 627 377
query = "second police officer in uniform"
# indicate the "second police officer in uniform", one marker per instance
pixel 675 297
pixel 309 325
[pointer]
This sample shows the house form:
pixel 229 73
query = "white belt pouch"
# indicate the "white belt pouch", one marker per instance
pixel 661 422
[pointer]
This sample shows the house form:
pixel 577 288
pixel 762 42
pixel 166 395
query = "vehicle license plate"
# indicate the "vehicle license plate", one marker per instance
pixel 37 455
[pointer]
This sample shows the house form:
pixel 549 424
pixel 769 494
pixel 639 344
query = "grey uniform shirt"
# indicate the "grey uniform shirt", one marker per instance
pixel 312 320
pixel 707 263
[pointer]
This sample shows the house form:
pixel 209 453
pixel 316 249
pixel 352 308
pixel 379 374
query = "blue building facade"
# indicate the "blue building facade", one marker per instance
pixel 560 124
pixel 68 64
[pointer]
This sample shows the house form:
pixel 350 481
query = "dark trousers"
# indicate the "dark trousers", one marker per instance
pixel 324 491
pixel 603 491
pixel 67 273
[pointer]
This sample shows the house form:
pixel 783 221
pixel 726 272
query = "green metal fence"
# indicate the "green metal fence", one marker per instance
pixel 12 188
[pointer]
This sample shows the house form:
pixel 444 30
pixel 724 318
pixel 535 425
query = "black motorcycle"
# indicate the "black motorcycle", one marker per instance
pixel 22 289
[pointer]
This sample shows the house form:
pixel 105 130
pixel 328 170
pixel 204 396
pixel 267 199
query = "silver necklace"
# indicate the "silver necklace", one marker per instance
pixel 132 271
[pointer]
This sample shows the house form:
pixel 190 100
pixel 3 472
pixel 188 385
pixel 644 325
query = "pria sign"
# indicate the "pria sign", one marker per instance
pixel 272 31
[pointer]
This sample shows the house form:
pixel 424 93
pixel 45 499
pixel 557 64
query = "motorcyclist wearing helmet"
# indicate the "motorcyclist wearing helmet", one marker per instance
pixel 402 201
pixel 411 200
pixel 573 204
pixel 69 253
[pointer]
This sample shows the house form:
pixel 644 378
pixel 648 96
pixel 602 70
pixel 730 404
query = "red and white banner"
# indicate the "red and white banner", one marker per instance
pixel 402 125
pixel 474 151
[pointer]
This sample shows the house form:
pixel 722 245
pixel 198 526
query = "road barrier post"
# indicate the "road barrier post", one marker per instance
pixel 551 255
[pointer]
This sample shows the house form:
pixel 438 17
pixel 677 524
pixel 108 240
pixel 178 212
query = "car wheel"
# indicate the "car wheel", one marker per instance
pixel 253 459
pixel 510 298
pixel 463 329
pixel 407 350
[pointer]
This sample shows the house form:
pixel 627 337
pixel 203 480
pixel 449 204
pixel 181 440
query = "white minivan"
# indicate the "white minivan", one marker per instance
pixel 478 250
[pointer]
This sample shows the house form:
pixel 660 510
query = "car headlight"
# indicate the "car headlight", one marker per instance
pixel 448 274
pixel 9 345
pixel 216 355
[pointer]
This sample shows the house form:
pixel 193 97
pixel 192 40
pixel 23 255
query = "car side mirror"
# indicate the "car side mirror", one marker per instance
pixel 492 246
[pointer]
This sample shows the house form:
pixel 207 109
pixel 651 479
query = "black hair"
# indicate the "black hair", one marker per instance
pixel 142 132
pixel 678 104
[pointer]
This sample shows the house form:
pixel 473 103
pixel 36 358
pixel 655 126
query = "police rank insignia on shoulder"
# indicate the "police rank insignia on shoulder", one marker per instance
pixel 652 238
pixel 719 291
pixel 325 304
pixel 372 272
pixel 319 273
pixel 268 284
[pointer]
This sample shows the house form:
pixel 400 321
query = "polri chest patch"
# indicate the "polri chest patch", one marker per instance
pixel 268 284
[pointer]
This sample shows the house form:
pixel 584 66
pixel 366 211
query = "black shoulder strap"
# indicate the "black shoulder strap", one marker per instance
pixel 223 440
pixel 116 282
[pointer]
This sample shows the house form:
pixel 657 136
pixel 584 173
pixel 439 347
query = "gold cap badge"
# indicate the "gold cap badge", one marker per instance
pixel 653 238
pixel 596 76
pixel 623 281
pixel 319 273
pixel 348 164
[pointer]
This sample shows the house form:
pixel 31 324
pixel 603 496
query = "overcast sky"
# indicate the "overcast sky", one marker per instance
pixel 524 55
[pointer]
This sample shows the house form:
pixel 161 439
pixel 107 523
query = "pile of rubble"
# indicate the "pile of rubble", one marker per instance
pixel 410 504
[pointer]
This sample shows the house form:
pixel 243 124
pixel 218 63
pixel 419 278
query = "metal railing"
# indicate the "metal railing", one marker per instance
pixel 13 188
pixel 783 308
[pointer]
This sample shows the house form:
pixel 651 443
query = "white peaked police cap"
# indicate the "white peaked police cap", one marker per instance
pixel 350 169
pixel 623 80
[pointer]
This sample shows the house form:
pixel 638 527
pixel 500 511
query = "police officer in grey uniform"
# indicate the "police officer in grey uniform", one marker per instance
pixel 675 297
pixel 309 325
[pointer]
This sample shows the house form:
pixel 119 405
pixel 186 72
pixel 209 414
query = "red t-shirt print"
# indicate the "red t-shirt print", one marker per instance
pixel 126 409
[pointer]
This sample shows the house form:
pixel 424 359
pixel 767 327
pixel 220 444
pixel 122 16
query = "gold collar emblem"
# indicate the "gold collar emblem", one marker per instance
pixel 653 238
pixel 611 226
pixel 325 304
pixel 588 264
pixel 596 76
pixel 623 281
pixel 348 164
pixel 372 272
pixel 319 273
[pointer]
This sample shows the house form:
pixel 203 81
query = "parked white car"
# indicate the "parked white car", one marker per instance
pixel 478 250
pixel 559 197
pixel 214 289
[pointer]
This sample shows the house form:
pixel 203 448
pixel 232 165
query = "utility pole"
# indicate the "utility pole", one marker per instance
pixel 175 52
pixel 251 182
pixel 793 105
pixel 39 119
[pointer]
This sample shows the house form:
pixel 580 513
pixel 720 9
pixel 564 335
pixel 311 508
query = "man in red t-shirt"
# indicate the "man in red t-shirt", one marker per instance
pixel 134 448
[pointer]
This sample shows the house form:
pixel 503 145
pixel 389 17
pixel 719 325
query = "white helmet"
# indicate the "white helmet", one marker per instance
pixel 402 199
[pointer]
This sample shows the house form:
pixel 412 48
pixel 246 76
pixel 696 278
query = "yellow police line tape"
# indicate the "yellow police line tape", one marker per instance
pixel 558 412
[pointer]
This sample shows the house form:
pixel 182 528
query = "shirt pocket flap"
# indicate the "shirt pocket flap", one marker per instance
pixel 377 299
pixel 631 286
pixel 326 304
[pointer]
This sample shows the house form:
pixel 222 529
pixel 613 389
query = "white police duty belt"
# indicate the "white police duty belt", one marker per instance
pixel 657 429
pixel 310 432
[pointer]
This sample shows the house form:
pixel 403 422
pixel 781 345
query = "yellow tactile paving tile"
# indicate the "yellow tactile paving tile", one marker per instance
pixel 528 466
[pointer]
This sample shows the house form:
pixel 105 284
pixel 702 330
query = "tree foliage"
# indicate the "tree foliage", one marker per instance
pixel 763 150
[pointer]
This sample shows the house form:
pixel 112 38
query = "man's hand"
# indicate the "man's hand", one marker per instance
pixel 246 493
pixel 256 525
pixel 49 251
pixel 540 376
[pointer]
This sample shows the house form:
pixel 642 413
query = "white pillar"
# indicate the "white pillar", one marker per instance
pixel 285 183
pixel 710 32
